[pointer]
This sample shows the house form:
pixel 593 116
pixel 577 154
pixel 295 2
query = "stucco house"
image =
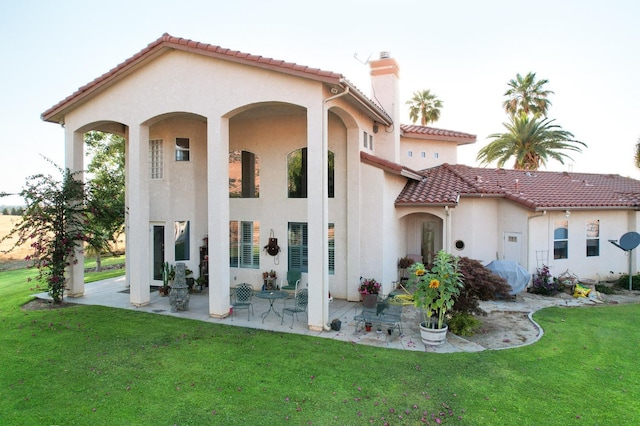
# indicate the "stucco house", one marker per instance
pixel 225 150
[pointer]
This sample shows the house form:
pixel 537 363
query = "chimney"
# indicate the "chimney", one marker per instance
pixel 385 82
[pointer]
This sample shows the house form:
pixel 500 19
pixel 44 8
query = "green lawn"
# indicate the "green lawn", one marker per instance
pixel 101 366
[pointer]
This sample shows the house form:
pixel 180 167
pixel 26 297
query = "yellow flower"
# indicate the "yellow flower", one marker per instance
pixel 434 283
pixel 420 272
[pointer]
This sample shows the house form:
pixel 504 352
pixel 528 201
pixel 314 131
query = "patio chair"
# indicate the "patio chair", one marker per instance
pixel 368 313
pixel 291 282
pixel 300 305
pixel 243 293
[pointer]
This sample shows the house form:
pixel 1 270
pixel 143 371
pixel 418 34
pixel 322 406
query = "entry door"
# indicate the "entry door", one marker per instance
pixel 428 247
pixel 158 251
pixel 512 246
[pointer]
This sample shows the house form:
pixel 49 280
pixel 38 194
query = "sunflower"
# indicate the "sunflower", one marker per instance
pixel 434 283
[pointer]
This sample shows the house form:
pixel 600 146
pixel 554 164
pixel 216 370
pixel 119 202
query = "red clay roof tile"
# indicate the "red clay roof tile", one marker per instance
pixel 425 132
pixel 537 190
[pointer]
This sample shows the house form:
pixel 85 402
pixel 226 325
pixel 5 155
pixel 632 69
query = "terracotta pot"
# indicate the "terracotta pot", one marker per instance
pixel 367 326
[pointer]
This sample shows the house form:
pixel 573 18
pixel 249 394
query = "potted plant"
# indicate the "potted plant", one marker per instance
pixel 369 290
pixel 436 290
pixel 403 264
pixel 168 275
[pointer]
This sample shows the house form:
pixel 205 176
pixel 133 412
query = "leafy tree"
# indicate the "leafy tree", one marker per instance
pixel 637 154
pixel 106 191
pixel 54 224
pixel 532 141
pixel 5 211
pixel 527 96
pixel 424 106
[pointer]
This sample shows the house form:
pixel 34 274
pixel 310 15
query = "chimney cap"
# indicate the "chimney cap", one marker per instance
pixel 385 54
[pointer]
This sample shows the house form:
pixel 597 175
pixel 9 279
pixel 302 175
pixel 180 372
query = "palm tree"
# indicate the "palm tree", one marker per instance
pixel 426 106
pixel 527 96
pixel 532 141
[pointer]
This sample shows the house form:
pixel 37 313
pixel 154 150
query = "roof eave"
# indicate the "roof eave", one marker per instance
pixel 379 114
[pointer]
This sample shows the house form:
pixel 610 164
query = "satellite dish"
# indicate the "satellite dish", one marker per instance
pixel 629 241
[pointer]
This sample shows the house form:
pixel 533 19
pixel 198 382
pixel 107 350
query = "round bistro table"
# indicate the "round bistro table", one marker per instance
pixel 271 296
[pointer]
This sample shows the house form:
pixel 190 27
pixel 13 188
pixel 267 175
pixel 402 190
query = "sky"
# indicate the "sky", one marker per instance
pixel 464 51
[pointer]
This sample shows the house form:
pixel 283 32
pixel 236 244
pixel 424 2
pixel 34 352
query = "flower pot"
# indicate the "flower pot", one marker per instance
pixel 367 326
pixel 433 336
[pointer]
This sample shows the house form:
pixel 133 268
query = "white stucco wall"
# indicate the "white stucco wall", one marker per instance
pixel 611 262
pixel 435 153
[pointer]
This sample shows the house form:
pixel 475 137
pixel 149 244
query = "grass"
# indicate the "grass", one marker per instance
pixel 97 365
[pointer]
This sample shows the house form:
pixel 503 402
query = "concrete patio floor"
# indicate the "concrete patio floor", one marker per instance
pixel 114 293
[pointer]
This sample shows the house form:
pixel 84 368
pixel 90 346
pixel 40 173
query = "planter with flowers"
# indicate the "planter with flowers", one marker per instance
pixel 369 290
pixel 436 292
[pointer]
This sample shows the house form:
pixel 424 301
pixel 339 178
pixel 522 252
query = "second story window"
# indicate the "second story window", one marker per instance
pixel 155 158
pixel 297 173
pixel 244 175
pixel 182 149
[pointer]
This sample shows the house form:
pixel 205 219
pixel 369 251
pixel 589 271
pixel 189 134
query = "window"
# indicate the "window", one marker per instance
pixel 244 175
pixel 182 149
pixel 561 239
pixel 409 154
pixel 299 248
pixel 365 139
pixel 297 173
pixel 331 174
pixel 155 158
pixel 423 154
pixel 593 238
pixel 332 249
pixel 244 244
pixel 181 231
pixel 436 155
pixel 371 142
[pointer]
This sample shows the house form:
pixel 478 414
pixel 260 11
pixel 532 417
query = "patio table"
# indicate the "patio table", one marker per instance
pixel 271 296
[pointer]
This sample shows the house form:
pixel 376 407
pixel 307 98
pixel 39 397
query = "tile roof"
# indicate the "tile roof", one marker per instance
pixel 389 166
pixel 425 132
pixel 536 190
pixel 167 42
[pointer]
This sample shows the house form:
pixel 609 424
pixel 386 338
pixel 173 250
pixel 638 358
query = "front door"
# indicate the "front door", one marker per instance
pixel 158 252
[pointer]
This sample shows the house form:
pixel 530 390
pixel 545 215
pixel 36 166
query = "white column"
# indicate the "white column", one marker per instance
pixel 74 161
pixel 138 235
pixel 218 215
pixel 353 214
pixel 318 215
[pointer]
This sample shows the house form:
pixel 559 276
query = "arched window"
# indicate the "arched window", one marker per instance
pixel 244 175
pixel 297 173
pixel 561 239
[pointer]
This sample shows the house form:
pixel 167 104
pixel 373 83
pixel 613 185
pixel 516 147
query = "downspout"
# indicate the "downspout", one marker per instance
pixel 544 212
pixel 325 137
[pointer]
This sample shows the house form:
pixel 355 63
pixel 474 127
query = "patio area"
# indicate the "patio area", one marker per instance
pixel 114 293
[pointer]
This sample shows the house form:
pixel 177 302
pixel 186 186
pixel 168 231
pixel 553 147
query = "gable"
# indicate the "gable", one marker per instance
pixel 167 43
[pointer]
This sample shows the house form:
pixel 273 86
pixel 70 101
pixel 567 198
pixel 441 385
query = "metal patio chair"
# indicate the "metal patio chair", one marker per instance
pixel 300 306
pixel 243 293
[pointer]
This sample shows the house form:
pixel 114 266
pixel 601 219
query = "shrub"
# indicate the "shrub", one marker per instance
pixel 543 283
pixel 623 282
pixel 479 284
pixel 605 289
pixel 463 324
